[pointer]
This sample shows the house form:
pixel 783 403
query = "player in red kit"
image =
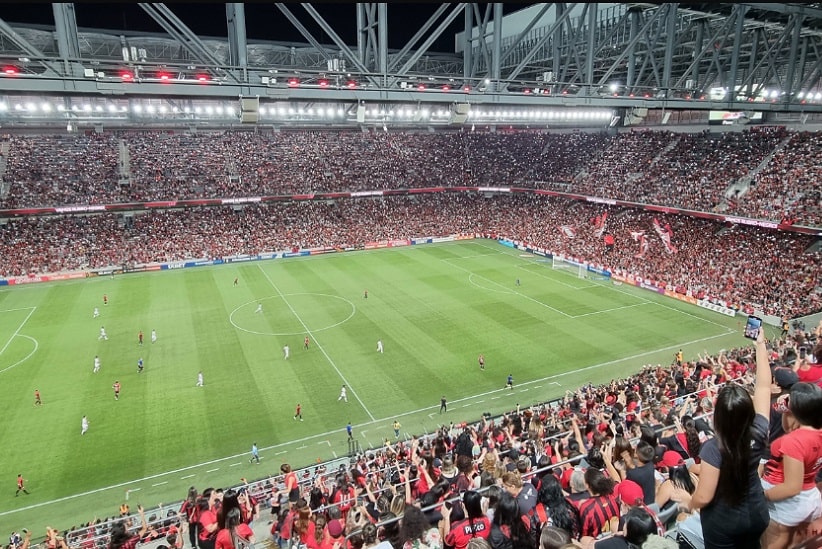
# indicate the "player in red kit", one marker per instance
pixel 20 486
pixel 481 360
pixel 299 412
pixel 306 342
pixel 105 299
pixel 116 388
pixel 37 400
pixel 140 337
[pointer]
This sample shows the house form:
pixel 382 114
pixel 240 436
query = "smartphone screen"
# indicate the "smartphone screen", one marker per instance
pixel 752 327
pixel 803 352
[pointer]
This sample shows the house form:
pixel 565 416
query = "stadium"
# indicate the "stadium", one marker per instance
pixel 339 270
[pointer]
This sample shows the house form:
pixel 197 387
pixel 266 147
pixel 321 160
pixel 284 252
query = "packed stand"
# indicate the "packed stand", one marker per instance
pixel 702 259
pixel 46 170
pixel 690 171
pixel 788 187
pixel 627 157
pixel 693 174
pixel 626 464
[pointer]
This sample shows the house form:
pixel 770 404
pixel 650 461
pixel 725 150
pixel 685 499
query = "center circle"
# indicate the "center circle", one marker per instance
pixel 292 314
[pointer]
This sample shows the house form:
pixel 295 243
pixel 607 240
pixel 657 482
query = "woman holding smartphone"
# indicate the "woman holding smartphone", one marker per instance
pixel 734 513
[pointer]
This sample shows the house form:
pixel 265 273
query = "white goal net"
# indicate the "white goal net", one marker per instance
pixel 572 267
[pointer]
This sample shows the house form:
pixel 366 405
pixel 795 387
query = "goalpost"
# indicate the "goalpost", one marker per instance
pixel 572 267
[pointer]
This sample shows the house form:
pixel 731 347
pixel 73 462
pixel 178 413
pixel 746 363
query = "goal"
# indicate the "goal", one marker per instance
pixel 572 267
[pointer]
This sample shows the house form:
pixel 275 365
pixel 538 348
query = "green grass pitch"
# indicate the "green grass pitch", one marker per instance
pixel 435 307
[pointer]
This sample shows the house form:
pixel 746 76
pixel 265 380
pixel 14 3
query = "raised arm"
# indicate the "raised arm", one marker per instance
pixel 762 384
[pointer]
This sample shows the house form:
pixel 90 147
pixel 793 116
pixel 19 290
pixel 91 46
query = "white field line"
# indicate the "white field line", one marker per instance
pixel 495 392
pixel 644 301
pixel 20 327
pixel 612 310
pixel 319 346
pixel 25 358
pixel 554 279
pixel 538 302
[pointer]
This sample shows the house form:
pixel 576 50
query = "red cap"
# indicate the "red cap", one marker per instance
pixel 671 459
pixel 629 492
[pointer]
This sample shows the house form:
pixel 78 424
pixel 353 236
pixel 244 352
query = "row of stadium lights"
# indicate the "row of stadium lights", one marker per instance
pixel 327 112
pixel 294 82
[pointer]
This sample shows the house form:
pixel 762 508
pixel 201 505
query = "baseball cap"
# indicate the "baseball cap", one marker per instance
pixel 629 492
pixel 785 377
pixel 671 459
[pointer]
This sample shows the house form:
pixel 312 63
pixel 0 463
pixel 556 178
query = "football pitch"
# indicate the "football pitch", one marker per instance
pixel 435 308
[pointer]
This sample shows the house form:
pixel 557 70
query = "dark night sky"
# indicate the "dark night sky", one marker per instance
pixel 263 21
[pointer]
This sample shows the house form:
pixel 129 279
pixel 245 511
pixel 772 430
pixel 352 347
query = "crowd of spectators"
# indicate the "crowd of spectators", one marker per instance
pixel 712 261
pixel 788 187
pixel 608 466
pixel 691 171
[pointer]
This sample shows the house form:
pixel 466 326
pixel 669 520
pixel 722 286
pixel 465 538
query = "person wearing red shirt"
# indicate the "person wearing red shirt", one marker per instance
pixel 789 479
pixel 305 528
pixel 292 487
pixel 236 534
pixel 20 486
pixel 249 507
pixel 190 511
pixel 475 525
pixel 344 497
pixel 207 521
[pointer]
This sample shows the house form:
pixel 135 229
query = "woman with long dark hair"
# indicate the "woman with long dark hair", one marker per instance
pixel 416 531
pixel 121 538
pixel 475 524
pixel 600 512
pixel 234 533
pixel 189 510
pixel 510 529
pixel 639 525
pixel 734 512
pixel 678 477
pixel 554 509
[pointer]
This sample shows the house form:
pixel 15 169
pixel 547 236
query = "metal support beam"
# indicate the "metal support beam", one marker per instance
pixel 591 53
pixel 630 50
pixel 431 39
pixel 382 39
pixel 419 34
pixel 789 78
pixel 467 45
pixel 556 41
pixel 27 48
pixel 518 40
pixel 809 11
pixel 68 44
pixel 730 83
pixel 721 31
pixel 670 43
pixel 338 41
pixel 482 29
pixel 557 24
pixel 496 47
pixel 765 57
pixel 362 32
pixel 303 31
pixel 184 35
pixel 237 43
